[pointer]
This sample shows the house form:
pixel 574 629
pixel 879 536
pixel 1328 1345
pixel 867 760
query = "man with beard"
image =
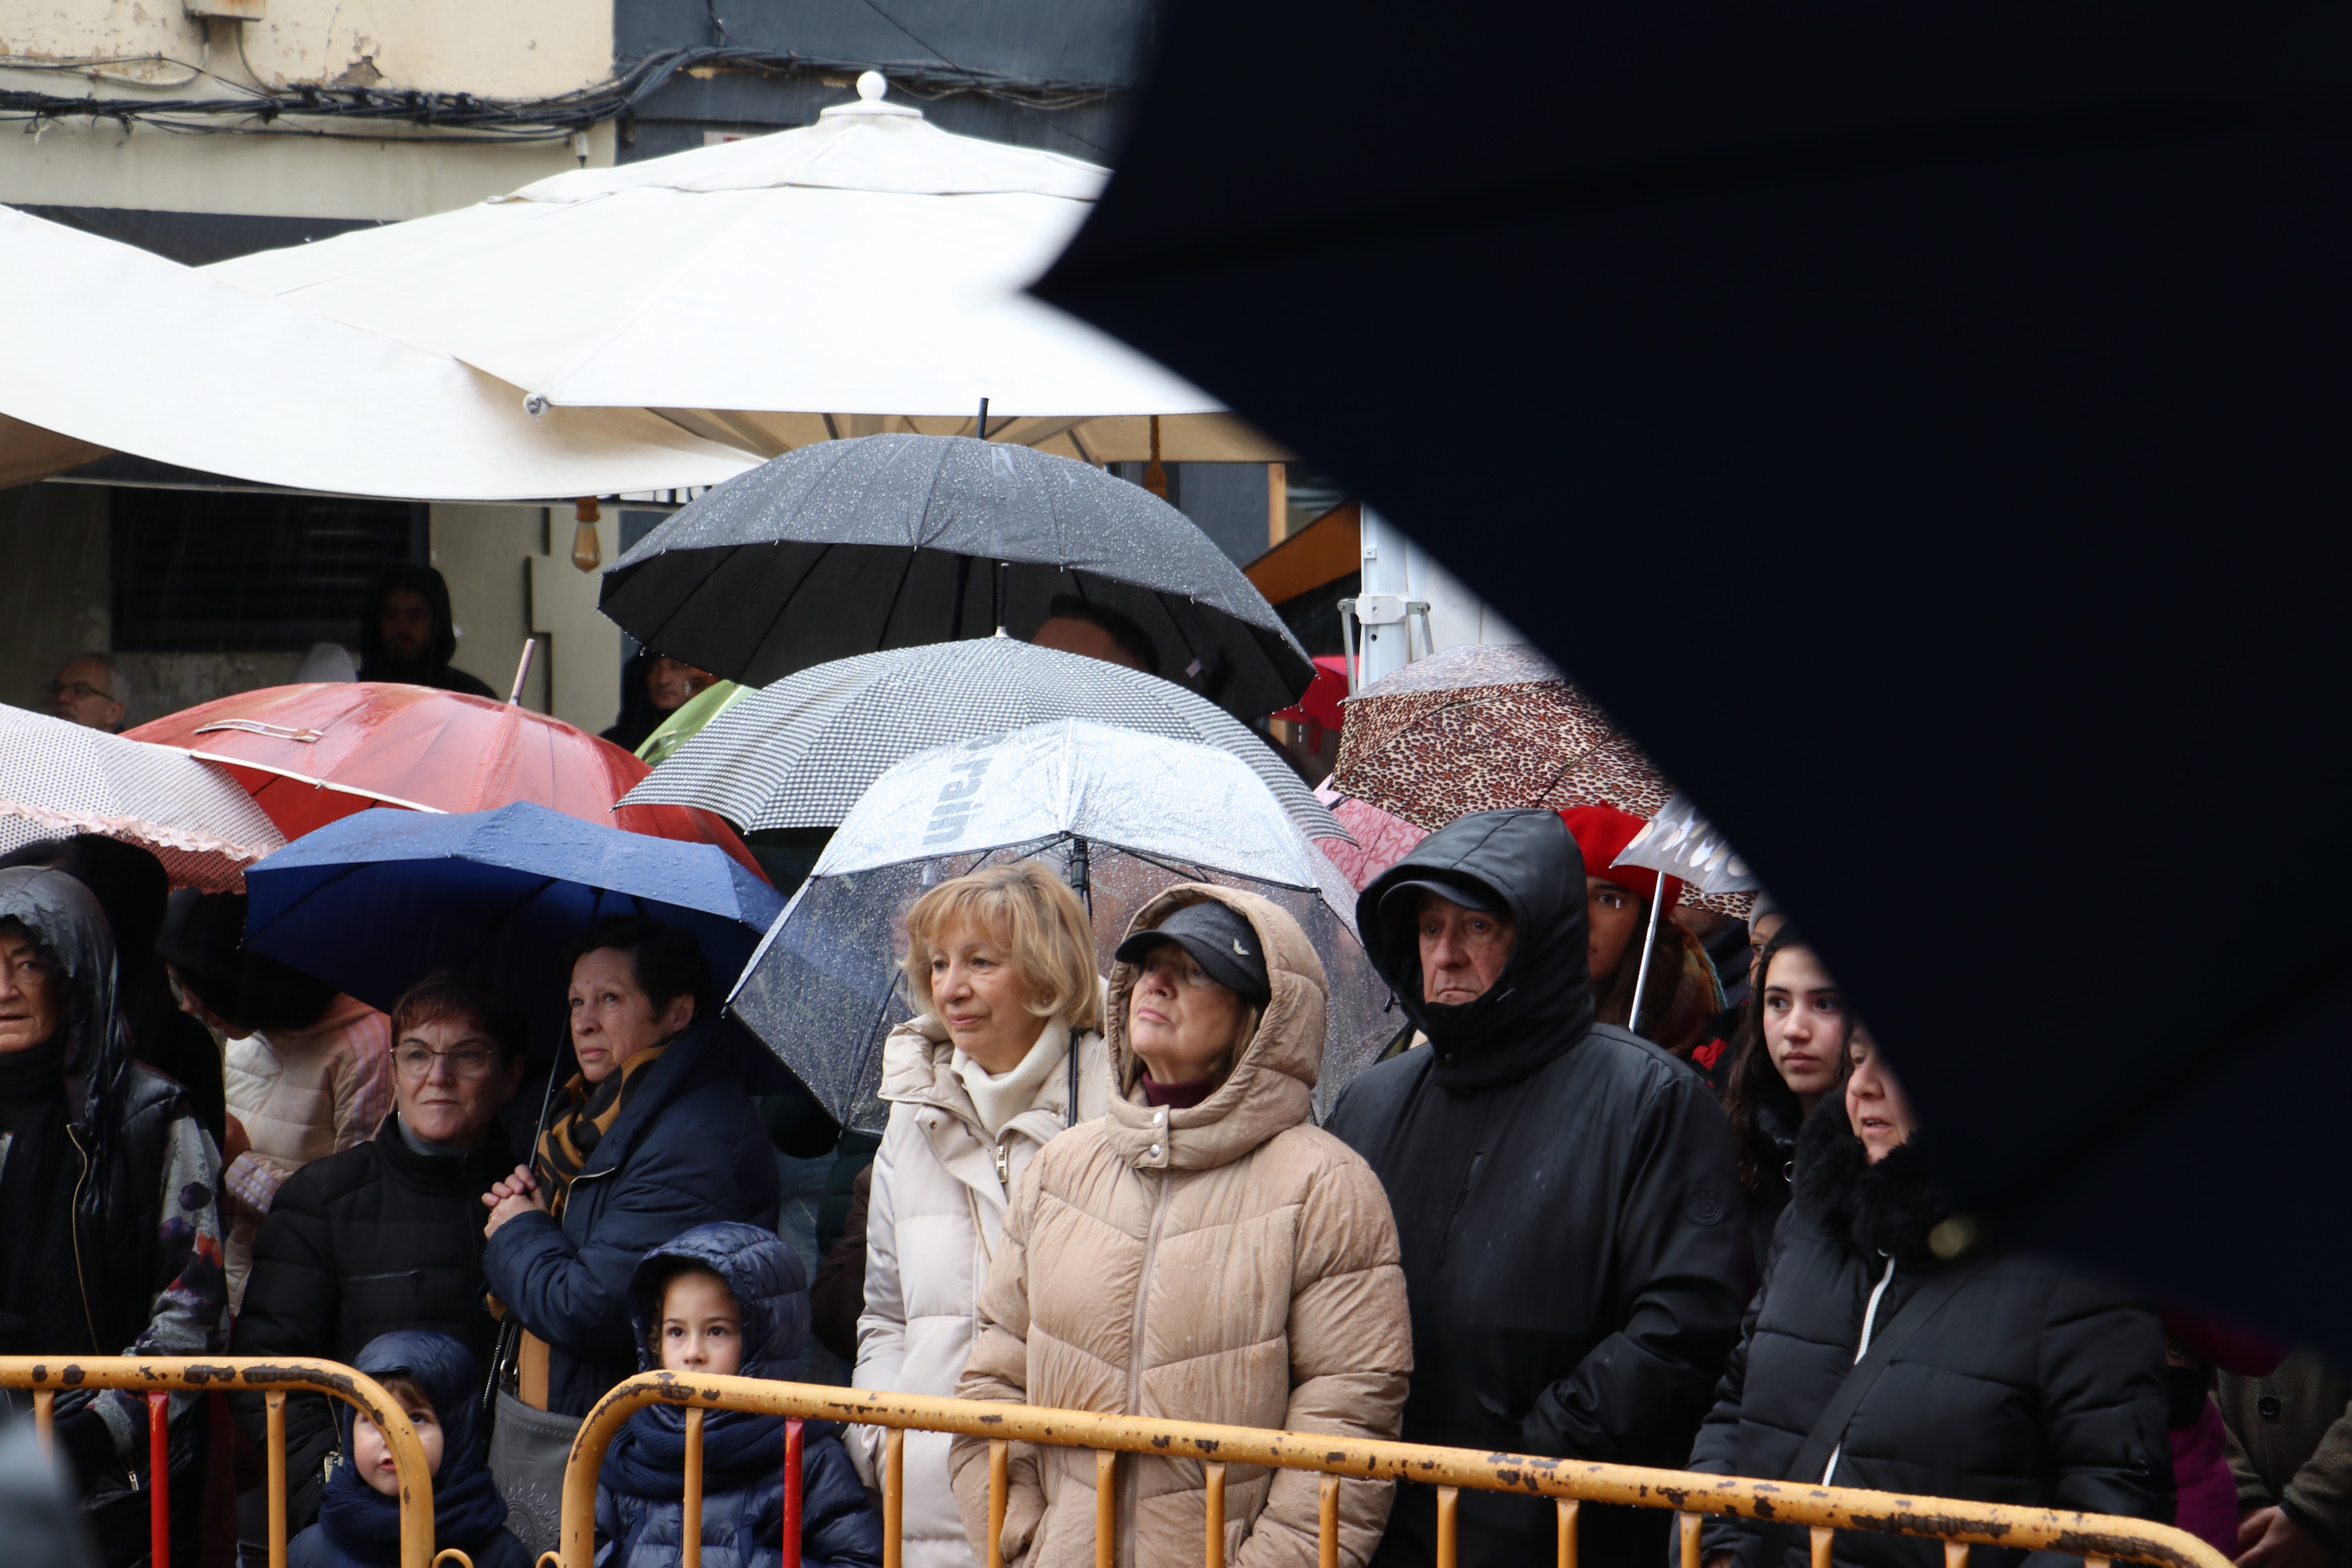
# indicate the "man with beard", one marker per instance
pixel 408 635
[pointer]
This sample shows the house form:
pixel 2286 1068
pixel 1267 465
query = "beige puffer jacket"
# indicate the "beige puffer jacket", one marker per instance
pixel 1227 1262
pixel 935 1215
pixel 301 1095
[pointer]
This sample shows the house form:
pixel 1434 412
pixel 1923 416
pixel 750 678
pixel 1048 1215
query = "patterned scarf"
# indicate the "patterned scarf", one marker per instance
pixel 572 1137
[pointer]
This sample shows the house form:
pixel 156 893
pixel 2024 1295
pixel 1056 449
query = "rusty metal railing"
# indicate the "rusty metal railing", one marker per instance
pixel 47 1376
pixel 2100 1538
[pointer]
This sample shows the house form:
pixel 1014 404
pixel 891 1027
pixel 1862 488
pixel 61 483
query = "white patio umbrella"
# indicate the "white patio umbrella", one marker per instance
pixel 113 349
pixel 860 275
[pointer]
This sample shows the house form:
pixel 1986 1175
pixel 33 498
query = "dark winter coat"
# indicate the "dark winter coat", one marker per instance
pixel 139 1271
pixel 685 1151
pixel 1576 1252
pixel 640 1514
pixel 1775 1133
pixel 359 1526
pixel 2033 1385
pixel 378 1237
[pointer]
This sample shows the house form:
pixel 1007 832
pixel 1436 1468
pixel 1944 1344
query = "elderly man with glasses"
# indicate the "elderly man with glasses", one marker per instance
pixel 86 692
pixel 387 1234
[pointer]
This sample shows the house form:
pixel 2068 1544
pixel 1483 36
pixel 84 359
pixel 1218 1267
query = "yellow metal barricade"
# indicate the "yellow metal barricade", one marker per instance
pixel 2100 1538
pixel 47 1376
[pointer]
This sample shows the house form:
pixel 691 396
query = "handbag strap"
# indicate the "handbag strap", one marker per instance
pixel 1829 1431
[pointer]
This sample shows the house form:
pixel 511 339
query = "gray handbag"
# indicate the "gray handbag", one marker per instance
pixel 529 1448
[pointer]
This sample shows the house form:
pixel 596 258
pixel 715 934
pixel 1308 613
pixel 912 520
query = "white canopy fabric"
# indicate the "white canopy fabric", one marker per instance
pixel 859 275
pixel 114 349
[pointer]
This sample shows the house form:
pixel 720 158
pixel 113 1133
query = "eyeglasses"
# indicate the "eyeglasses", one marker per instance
pixel 465 1061
pixel 80 690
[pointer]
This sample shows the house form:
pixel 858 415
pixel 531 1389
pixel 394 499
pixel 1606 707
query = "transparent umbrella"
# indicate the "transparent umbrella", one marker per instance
pixel 1121 815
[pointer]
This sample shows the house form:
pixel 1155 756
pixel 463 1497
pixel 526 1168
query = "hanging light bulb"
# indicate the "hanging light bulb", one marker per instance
pixel 587 551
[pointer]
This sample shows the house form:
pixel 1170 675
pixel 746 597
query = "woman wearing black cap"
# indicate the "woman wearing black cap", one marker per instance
pixel 1201 1253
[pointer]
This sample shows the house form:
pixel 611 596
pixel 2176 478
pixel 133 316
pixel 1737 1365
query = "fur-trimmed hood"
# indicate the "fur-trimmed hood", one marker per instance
pixel 1886 1209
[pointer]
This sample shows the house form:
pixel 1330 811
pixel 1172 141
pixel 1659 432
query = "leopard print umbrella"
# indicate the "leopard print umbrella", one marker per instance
pixel 1490 729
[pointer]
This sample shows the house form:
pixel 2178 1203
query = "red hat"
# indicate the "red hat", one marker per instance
pixel 1601 833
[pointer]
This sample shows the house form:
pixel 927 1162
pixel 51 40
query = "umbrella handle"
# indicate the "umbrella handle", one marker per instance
pixel 1649 943
pixel 522 669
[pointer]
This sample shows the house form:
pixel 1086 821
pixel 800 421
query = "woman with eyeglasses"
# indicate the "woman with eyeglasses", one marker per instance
pixel 387 1234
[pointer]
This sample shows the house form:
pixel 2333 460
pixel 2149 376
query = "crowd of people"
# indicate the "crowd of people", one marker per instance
pixel 1527 1229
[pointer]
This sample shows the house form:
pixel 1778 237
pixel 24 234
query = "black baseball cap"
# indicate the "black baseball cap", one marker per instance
pixel 1399 902
pixel 1221 941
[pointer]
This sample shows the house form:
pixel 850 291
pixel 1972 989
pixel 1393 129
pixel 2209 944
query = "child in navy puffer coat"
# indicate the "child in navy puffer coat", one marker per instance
pixel 727 1299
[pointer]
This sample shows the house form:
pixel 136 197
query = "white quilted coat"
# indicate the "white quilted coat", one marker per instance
pixel 935 1218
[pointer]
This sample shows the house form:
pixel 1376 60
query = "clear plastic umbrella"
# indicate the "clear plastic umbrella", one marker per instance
pixel 1120 814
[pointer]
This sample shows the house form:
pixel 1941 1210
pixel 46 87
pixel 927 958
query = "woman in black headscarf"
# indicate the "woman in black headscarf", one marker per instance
pixel 108 1195
pixel 131 887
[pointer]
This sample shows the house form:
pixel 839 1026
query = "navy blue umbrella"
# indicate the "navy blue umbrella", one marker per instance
pixel 378 900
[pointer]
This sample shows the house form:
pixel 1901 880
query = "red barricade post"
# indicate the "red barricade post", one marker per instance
pixel 159 1472
pixel 792 1492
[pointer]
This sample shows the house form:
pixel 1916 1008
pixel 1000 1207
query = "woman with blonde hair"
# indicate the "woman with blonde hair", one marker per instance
pixel 1004 1052
pixel 1201 1253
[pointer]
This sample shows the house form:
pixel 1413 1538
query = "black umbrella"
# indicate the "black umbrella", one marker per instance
pixel 850 547
pixel 1986 372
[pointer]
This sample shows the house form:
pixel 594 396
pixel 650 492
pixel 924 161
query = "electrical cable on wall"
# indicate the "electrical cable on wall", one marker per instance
pixel 548 119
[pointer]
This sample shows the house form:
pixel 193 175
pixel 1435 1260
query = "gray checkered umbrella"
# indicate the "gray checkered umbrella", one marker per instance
pixel 58 778
pixel 801 753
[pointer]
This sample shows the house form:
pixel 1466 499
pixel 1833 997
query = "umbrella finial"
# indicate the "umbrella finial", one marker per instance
pixel 872 85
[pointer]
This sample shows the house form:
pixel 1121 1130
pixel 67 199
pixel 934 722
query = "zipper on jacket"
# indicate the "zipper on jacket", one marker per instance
pixel 1004 1165
pixel 1869 1321
pixel 81 1277
pixel 1127 1490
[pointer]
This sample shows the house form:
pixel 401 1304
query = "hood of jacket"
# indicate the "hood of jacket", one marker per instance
pixel 766 1280
pixel 1542 1002
pixel 442 1367
pixel 65 919
pixel 1885 1210
pixel 1270 1087
pixel 407 576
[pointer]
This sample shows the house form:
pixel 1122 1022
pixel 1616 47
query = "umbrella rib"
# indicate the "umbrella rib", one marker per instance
pixel 898 589
pixel 785 604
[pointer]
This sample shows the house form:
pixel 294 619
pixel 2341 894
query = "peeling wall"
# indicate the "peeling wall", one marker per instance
pixel 151 50
pixel 514 49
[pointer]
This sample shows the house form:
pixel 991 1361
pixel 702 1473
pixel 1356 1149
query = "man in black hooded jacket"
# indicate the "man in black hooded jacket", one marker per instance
pixel 408 634
pixel 1576 1253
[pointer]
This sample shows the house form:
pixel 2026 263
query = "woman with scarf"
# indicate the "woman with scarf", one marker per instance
pixel 108 1187
pixel 1004 1053
pixel 748 1319
pixel 432 1377
pixel 653 1136
pixel 1884 1351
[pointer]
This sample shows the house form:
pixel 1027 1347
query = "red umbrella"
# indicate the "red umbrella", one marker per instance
pixel 311 755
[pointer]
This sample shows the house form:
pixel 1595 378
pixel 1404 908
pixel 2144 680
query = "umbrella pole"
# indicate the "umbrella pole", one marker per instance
pixel 1649 943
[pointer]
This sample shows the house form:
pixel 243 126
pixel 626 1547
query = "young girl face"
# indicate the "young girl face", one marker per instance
pixel 371 1455
pixel 701 1326
pixel 1804 1023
